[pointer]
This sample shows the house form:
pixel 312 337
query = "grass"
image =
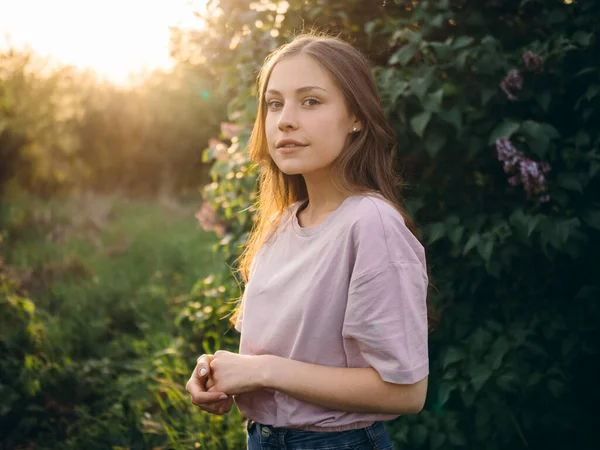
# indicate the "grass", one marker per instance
pixel 100 266
pixel 107 276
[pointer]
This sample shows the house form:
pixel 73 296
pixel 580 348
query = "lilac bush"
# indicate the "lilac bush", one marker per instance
pixel 533 62
pixel 511 83
pixel 531 174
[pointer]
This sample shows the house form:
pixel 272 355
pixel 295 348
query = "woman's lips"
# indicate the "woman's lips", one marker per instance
pixel 290 148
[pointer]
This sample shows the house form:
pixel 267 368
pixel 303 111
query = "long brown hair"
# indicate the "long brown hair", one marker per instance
pixel 366 165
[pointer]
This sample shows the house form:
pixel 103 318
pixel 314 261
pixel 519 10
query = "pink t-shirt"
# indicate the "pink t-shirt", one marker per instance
pixel 349 292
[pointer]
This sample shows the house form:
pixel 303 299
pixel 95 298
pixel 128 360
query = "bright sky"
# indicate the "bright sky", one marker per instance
pixel 113 37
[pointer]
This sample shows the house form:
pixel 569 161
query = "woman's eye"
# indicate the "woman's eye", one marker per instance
pixel 311 101
pixel 274 104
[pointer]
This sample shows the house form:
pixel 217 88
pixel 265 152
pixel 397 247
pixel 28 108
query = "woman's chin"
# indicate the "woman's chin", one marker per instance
pixel 292 169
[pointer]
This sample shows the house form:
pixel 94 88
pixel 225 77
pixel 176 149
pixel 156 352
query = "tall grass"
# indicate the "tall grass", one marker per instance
pixel 107 276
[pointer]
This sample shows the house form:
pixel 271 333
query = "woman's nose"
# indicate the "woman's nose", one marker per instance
pixel 287 118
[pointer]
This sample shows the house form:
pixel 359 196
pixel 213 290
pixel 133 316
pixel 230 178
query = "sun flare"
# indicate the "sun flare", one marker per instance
pixel 115 38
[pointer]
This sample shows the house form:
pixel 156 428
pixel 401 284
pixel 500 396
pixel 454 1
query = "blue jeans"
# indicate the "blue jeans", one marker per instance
pixel 266 437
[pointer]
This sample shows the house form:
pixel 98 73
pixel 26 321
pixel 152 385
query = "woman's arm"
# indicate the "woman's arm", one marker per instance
pixel 341 388
pixel 337 388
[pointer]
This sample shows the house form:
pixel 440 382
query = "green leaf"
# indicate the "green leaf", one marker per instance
pixel 461 59
pixel 420 433
pixel 370 27
pixel 508 382
pixel 592 91
pixel 397 89
pixel 415 37
pixel 450 89
pixel 444 392
pixel 532 222
pixel 479 341
pixel 405 54
pixel 487 94
pixel 452 116
pixel 503 130
pixel 538 136
pixel 436 231
pixel 479 375
pixel 207 155
pixel 436 21
pixel 585 70
pixel 544 99
pixel 498 351
pixel 570 182
pixel 433 102
pixel 592 219
pixel 419 122
pixel 462 41
pixel 442 49
pixel 485 247
pixel 456 233
pixel 456 438
pixel 471 243
pixel 452 355
pixel 435 141
pixel 582 38
pixel 437 440
pixel 420 83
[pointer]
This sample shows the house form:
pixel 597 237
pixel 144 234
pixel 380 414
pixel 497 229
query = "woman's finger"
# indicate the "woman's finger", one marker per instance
pixel 200 396
pixel 195 387
pixel 225 406
pixel 203 365
pixel 209 383
pixel 213 402
pixel 213 408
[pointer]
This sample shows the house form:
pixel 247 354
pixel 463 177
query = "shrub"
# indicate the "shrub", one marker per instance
pixel 495 106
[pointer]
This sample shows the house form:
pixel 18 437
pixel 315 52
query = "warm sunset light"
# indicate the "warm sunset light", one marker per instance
pixel 115 38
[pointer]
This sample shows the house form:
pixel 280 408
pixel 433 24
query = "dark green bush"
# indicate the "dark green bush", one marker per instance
pixel 512 254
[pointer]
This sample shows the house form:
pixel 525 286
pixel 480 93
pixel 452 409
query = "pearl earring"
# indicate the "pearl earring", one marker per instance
pixel 354 129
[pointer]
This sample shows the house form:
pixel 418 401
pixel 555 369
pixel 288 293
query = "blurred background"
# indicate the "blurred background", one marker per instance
pixel 126 196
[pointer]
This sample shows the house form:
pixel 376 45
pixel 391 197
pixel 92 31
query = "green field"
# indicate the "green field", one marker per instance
pixel 105 363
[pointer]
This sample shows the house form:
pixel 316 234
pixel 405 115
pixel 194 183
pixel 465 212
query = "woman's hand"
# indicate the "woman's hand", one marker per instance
pixel 214 402
pixel 236 374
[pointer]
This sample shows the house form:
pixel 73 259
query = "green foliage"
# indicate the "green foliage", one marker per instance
pixel 513 277
pixel 90 356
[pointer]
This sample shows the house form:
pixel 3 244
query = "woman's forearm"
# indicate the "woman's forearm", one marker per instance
pixel 341 388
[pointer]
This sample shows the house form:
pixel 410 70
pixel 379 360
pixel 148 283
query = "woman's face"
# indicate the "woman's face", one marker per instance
pixel 307 123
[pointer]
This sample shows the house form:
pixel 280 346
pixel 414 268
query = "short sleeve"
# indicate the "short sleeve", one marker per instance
pixel 387 317
pixel 386 314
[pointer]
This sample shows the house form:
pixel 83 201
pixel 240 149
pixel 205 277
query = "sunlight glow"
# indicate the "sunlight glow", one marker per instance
pixel 115 38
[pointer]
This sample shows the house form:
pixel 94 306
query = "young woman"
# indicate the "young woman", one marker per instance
pixel 333 319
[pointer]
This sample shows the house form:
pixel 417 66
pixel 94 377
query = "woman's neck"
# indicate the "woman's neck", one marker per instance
pixel 323 198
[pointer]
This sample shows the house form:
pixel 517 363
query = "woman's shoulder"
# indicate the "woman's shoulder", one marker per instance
pixel 380 227
pixel 279 221
pixel 373 211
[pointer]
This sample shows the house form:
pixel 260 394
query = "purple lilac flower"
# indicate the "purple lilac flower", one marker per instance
pixel 509 155
pixel 525 171
pixel 512 82
pixel 533 62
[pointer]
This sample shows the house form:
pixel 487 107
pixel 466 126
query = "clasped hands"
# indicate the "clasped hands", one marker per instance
pixel 216 378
